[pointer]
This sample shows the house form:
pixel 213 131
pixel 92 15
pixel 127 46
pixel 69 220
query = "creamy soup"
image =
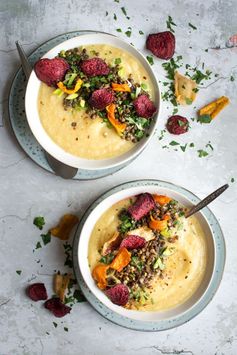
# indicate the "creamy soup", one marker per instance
pixel 184 270
pixel 74 131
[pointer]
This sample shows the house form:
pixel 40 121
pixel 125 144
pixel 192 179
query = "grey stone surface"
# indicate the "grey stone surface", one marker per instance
pixel 28 191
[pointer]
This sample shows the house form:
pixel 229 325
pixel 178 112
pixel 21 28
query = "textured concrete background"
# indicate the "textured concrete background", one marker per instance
pixel 27 190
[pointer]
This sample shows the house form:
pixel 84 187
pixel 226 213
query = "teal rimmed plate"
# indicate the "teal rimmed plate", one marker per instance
pixel 17 116
pixel 150 321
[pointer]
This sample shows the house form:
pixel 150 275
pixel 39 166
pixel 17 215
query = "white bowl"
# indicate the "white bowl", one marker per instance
pixel 151 320
pixel 31 106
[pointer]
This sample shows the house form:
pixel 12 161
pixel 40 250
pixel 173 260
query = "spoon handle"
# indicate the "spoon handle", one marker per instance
pixel 206 201
pixel 27 69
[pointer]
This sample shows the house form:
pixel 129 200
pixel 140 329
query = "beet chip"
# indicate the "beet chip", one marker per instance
pixel 58 308
pixel 177 124
pixel 50 71
pixel 161 44
pixel 143 204
pixel 94 66
pixel 37 292
pixel 119 294
pixel 132 242
pixel 101 98
pixel 144 106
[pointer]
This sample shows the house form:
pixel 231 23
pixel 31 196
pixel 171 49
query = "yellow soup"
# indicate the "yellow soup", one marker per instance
pixel 184 269
pixel 74 131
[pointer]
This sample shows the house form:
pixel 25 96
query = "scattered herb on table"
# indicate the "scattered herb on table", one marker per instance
pixel 128 33
pixel 68 254
pixel 208 145
pixel 173 143
pixel 183 147
pixel 55 324
pixel 170 23
pixel 115 17
pixel 118 30
pixel 202 153
pixel 106 13
pixel 141 32
pixel 39 222
pixel 38 245
pixel 232 78
pixel 66 329
pixel 18 272
pixel 46 238
pixel 232 180
pixel 192 26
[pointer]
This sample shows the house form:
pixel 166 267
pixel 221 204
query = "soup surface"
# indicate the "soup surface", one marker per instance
pixel 74 131
pixel 184 269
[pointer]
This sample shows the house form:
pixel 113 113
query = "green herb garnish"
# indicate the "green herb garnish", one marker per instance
pixel 124 11
pixel 170 23
pixel 55 324
pixel 107 259
pixel 46 238
pixel 202 153
pixel 232 180
pixel 118 30
pixel 128 33
pixel 150 59
pixel 39 222
pixel 204 119
pixel 18 272
pixel 192 26
pixel 38 245
pixel 232 78
pixel 117 61
pixel 141 32
pixel 188 101
pixel 66 329
pixel 183 147
pixel 173 143
pixel 115 17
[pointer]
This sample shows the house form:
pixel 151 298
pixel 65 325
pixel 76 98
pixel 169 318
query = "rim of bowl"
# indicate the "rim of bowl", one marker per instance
pixel 55 150
pixel 201 302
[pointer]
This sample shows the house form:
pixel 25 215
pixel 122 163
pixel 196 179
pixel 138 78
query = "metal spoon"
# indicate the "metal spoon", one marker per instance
pixel 206 201
pixel 60 169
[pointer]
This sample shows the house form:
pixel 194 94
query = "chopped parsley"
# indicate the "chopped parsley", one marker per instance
pixel 66 329
pixel 141 32
pixel 188 101
pixel 183 147
pixel 124 11
pixel 202 153
pixel 232 180
pixel 38 245
pixel 46 238
pixel 18 272
pixel 127 223
pixel 192 26
pixel 208 145
pixel 115 17
pixel 128 33
pixel 68 254
pixel 232 78
pixel 170 23
pixel 204 119
pixel 39 222
pixel 78 296
pixel 191 145
pixel 55 324
pixel 173 143
pixel 117 61
pixel 150 59
pixel 118 30
pixel 106 13
pixel 107 259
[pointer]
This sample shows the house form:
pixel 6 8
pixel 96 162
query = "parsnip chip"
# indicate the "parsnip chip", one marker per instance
pixel 60 285
pixel 185 89
pixel 63 229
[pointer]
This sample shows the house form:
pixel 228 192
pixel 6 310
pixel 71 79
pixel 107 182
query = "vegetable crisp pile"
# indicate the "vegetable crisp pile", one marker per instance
pixel 135 255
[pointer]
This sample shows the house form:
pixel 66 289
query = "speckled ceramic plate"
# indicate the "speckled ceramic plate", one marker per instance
pixel 19 122
pixel 150 321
